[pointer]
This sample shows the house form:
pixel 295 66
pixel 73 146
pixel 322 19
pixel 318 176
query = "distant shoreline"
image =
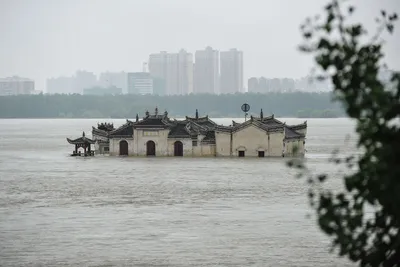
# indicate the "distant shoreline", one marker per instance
pixel 298 105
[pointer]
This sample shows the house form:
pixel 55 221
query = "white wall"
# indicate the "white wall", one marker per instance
pixel 187 146
pixel 114 146
pixel 160 140
pixel 289 148
pixel 223 144
pixel 275 144
pixel 252 139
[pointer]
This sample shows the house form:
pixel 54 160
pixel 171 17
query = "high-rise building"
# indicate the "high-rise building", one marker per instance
pixel 60 85
pixel 171 79
pixel 158 70
pixel 84 79
pixel 140 83
pixel 71 85
pixel 206 72
pixel 111 79
pixel 231 71
pixel 252 85
pixel 262 85
pixel 172 72
pixel 185 72
pixel 16 86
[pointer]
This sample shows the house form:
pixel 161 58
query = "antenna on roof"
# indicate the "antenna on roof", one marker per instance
pixel 197 114
pixel 137 117
pixel 261 114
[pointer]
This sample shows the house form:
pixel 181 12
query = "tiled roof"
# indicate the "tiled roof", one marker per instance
pixel 258 124
pixel 203 121
pixel 299 126
pixel 210 136
pixel 125 130
pixel 291 134
pixel 179 130
pixel 192 126
pixel 105 126
pixel 195 128
pixel 99 132
pixel 222 128
pixel 153 121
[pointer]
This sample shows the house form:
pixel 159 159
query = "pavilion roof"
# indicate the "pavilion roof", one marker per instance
pixel 81 140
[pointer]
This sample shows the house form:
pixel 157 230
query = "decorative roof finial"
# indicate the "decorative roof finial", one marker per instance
pixel 197 114
pixel 83 134
pixel 156 111
pixel 147 113
pixel 137 117
pixel 166 113
pixel 261 114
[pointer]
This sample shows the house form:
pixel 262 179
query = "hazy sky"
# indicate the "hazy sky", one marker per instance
pixel 45 38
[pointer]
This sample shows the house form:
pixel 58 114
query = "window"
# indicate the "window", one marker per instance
pixel 241 154
pixel 261 154
pixel 106 149
pixel 194 143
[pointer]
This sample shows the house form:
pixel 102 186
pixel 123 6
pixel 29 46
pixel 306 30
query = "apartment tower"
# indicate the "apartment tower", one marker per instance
pixel 231 72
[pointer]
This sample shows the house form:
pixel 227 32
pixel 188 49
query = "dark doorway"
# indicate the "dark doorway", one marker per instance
pixel 123 148
pixel 178 149
pixel 150 148
pixel 241 154
pixel 261 154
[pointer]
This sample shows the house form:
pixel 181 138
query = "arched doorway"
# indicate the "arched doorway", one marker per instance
pixel 123 148
pixel 178 149
pixel 150 148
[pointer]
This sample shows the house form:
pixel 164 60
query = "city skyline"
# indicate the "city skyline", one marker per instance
pixel 42 39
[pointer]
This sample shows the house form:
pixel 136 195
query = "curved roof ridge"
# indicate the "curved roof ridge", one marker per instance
pixel 123 126
pixel 80 140
pixel 100 132
pixel 290 133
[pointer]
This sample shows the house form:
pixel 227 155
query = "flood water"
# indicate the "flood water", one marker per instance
pixel 57 210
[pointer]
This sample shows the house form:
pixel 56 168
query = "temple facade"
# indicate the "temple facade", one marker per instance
pixel 158 135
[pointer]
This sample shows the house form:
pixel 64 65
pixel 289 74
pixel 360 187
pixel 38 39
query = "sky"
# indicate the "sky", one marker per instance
pixel 40 39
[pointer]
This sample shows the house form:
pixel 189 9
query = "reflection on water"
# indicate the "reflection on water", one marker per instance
pixel 57 210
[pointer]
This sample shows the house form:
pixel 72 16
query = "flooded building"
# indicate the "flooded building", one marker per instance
pixel 158 135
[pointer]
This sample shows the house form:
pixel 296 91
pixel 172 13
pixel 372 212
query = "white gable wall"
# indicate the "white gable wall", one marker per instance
pixel 251 139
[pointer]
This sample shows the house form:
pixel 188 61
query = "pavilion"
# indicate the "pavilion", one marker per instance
pixel 83 142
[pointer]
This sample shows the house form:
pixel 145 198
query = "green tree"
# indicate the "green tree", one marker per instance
pixel 354 63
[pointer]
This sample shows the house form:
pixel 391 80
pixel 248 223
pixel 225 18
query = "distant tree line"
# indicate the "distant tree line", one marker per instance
pixel 297 104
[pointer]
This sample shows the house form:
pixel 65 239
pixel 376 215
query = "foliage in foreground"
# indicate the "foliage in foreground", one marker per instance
pixel 374 182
